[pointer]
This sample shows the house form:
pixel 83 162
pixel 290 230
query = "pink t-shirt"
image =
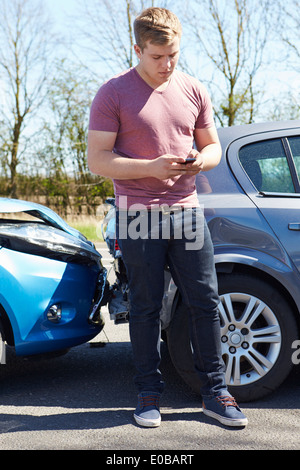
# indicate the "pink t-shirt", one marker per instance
pixel 151 123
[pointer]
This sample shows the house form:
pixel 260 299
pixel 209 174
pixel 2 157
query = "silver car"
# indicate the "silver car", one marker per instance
pixel 251 202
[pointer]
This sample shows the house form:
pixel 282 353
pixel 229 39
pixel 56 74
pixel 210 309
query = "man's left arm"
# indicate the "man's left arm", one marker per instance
pixel 209 151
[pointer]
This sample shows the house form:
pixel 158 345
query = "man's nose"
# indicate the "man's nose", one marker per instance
pixel 167 62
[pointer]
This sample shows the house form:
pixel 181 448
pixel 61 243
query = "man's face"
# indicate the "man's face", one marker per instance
pixel 157 63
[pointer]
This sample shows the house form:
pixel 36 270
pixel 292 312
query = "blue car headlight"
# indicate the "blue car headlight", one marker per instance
pixel 50 242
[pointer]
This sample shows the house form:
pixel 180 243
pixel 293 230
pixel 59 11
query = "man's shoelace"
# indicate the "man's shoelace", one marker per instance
pixel 149 400
pixel 225 400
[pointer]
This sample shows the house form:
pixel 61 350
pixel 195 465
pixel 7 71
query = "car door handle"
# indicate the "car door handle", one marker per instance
pixel 294 226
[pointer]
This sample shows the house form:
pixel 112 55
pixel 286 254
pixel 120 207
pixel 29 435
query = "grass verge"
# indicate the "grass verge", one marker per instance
pixel 89 226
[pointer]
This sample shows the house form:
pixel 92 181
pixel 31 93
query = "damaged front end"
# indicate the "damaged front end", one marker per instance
pixel 101 298
pixel 53 283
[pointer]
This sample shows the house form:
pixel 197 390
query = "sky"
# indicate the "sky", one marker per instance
pixel 62 9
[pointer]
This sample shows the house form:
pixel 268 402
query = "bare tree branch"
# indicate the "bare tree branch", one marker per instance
pixel 233 35
pixel 24 55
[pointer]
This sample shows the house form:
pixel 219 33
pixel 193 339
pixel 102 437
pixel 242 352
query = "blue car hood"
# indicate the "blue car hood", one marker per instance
pixel 54 239
pixel 42 212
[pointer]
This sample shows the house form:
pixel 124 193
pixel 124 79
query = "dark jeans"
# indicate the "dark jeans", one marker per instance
pixel 147 248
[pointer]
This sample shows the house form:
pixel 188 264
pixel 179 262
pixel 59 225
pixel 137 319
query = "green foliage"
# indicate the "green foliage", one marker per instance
pixel 64 195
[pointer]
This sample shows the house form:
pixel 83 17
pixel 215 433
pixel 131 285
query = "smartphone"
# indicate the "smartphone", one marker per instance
pixel 190 160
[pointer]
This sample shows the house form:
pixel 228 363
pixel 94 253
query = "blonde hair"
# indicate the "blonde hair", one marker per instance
pixel 157 25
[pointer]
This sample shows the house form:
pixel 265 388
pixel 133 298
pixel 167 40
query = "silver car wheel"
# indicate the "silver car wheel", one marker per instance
pixel 257 327
pixel 251 338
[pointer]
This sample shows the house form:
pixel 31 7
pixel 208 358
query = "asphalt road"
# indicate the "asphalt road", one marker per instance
pixel 85 400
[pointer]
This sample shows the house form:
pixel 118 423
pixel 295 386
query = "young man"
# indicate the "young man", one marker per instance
pixel 143 124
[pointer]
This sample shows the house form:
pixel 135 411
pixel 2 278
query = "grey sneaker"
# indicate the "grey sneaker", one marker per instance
pixel 147 411
pixel 224 408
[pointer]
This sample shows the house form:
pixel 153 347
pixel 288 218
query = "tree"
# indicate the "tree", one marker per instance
pixel 291 30
pixel 24 56
pixel 62 146
pixel 233 36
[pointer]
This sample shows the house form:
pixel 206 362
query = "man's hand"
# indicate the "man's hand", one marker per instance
pixel 168 166
pixel 196 166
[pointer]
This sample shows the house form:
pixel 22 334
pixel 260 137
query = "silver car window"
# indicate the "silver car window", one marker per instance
pixel 267 167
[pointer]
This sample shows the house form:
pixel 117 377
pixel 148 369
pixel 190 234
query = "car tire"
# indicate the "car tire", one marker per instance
pixel 257 329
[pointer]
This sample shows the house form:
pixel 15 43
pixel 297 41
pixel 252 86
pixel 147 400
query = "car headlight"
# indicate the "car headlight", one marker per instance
pixel 43 240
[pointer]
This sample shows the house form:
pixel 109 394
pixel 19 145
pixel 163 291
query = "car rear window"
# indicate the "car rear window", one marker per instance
pixel 266 165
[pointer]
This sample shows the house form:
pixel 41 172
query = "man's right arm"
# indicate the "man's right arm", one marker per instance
pixel 103 161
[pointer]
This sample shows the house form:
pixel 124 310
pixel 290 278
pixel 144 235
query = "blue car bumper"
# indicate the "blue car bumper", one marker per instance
pixel 31 285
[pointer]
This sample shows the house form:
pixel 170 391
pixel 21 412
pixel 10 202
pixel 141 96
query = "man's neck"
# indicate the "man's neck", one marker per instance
pixel 156 86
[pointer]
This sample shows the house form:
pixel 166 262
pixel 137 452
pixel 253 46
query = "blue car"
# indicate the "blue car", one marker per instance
pixel 52 281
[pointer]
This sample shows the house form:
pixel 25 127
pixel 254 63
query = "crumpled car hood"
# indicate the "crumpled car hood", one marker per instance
pixel 55 239
pixel 42 212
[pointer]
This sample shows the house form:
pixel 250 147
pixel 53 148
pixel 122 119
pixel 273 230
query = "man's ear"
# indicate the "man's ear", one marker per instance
pixel 138 51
